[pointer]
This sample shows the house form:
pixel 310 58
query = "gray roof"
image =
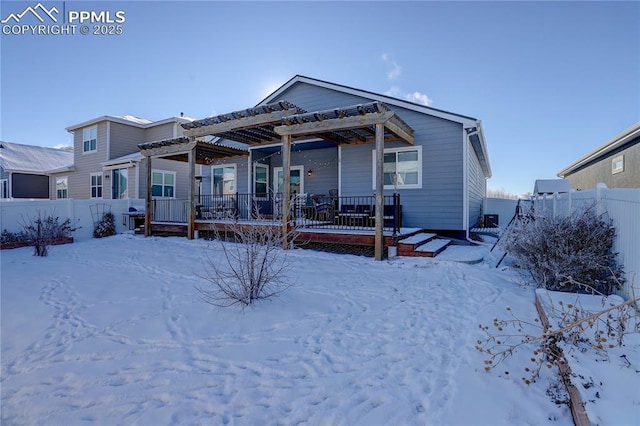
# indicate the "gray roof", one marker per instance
pixel 15 157
pixel 551 186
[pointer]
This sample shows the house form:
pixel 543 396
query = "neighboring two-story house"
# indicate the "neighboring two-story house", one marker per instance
pixel 615 163
pixel 108 165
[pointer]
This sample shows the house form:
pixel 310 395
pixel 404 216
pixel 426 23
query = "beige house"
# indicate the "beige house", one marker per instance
pixel 108 165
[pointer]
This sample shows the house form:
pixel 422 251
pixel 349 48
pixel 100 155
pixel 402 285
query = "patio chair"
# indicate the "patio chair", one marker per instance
pixel 323 210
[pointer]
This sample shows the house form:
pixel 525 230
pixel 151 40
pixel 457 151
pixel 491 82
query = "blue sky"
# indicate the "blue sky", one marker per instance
pixel 550 81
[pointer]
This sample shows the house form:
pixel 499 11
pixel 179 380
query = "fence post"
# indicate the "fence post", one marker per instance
pixel 599 194
pixel 555 204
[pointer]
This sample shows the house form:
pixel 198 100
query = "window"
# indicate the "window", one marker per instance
pixel 119 184
pixel 296 179
pixel 62 187
pixel 89 139
pixel 163 184
pixel 402 168
pixel 4 188
pixel 260 180
pixel 617 164
pixel 223 180
pixel 96 185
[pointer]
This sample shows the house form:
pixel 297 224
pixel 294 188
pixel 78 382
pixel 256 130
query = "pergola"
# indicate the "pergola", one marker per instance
pixel 282 121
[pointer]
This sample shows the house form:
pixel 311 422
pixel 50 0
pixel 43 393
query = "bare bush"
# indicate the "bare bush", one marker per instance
pixel 571 323
pixel 253 264
pixel 41 232
pixel 562 252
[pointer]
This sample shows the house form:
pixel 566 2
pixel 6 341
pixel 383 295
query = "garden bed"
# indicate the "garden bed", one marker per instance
pixel 18 244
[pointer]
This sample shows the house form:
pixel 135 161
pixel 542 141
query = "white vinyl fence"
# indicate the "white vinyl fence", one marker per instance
pixel 622 206
pixel 14 213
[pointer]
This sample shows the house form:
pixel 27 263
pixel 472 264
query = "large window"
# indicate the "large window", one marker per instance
pixel 96 185
pixel 62 187
pixel 119 185
pixel 223 179
pixel 402 168
pixel 90 139
pixel 163 184
pixel 260 180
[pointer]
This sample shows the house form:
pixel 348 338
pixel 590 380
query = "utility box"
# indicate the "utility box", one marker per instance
pixel 490 220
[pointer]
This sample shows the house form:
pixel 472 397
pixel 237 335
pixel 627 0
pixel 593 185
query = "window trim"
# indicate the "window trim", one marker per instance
pixel 101 186
pixel 164 172
pixel 84 140
pixel 235 177
pixel 275 177
pixel 4 189
pixel 262 166
pixel 614 161
pixel 66 189
pixel 418 149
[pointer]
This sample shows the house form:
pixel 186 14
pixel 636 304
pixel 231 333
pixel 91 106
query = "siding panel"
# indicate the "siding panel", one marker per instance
pixel 124 139
pixel 87 163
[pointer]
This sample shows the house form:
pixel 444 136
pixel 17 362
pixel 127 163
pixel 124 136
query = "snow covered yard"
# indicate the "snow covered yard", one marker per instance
pixel 113 331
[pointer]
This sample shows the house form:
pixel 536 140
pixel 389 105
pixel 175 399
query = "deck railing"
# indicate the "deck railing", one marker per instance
pixel 330 212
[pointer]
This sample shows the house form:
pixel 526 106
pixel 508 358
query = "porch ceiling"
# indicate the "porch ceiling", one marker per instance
pixel 267 123
pixel 178 149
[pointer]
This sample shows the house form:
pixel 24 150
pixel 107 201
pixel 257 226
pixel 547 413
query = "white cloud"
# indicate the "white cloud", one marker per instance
pixel 419 98
pixel 415 97
pixel 395 70
pixel 394 91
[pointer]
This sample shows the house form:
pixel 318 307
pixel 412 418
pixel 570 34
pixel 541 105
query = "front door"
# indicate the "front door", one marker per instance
pixel 296 185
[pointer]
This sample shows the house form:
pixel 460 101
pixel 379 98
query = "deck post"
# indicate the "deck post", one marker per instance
pixel 286 188
pixel 147 207
pixel 191 213
pixel 379 240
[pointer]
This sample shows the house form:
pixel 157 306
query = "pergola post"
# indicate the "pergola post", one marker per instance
pixel 379 238
pixel 286 188
pixel 191 159
pixel 147 207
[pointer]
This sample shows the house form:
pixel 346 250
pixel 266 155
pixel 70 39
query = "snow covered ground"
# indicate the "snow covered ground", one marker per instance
pixel 112 331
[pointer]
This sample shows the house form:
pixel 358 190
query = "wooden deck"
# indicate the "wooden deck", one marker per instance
pixel 307 234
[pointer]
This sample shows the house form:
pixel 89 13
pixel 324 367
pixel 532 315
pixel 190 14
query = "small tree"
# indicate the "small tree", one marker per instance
pixel 42 232
pixel 253 266
pixel 106 227
pixel 562 252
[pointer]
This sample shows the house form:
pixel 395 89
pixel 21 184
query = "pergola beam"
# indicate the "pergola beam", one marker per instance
pixel 242 123
pixel 167 150
pixel 402 130
pixel 335 124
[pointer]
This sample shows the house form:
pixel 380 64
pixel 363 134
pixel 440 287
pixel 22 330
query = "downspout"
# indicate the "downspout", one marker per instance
pixel 465 182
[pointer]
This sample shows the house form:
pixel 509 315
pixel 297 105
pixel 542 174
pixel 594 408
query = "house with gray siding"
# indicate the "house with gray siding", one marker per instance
pixel 26 170
pixel 616 163
pixel 108 164
pixel 440 177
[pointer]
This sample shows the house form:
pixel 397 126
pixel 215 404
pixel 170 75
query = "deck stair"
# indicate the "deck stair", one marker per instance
pixel 423 244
